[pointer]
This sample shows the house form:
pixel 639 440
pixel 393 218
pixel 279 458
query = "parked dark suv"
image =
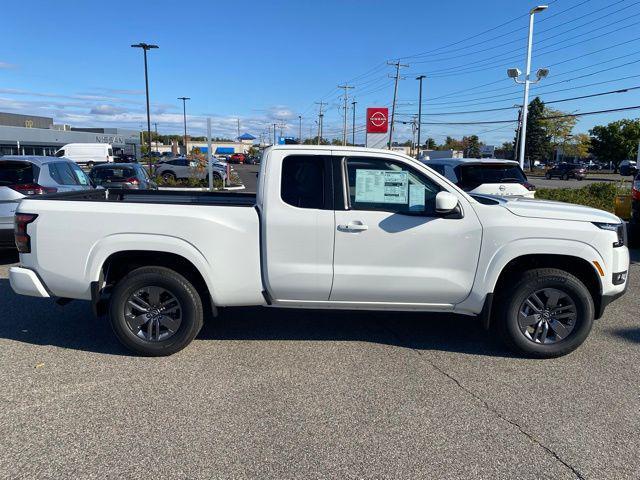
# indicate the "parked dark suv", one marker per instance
pixel 565 171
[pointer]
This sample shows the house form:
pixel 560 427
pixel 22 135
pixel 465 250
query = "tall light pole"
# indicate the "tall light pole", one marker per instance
pixel 145 47
pixel 540 74
pixel 419 78
pixel 353 126
pixel 155 126
pixel 184 116
pixel 299 128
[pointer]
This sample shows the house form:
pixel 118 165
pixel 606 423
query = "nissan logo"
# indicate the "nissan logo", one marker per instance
pixel 378 119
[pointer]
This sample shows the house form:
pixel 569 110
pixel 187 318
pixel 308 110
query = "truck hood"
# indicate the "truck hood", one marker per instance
pixel 527 207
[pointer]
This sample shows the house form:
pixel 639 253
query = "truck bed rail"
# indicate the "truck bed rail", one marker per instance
pixel 231 199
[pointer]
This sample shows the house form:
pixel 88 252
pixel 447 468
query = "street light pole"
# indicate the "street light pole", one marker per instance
pixel 515 73
pixel 145 47
pixel 299 128
pixel 419 78
pixel 353 126
pixel 184 116
pixel 155 126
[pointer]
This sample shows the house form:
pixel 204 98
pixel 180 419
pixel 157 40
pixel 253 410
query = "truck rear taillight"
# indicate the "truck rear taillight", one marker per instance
pixel 32 189
pixel 132 180
pixel 23 240
pixel 529 186
pixel 635 191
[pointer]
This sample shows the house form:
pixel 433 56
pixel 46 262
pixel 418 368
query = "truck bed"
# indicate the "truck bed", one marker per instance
pixel 229 199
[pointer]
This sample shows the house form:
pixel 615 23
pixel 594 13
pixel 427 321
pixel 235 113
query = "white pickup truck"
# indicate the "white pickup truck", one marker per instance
pixel 330 228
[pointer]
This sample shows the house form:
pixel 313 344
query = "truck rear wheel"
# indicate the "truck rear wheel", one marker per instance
pixel 155 311
pixel 547 313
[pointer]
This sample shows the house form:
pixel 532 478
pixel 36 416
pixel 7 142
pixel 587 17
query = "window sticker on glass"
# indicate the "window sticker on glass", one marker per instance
pixel 416 197
pixel 382 186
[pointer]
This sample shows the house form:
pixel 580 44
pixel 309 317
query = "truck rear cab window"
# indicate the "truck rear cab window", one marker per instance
pixel 389 186
pixel 304 178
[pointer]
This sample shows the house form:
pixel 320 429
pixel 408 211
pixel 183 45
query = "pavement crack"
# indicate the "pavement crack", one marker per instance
pixel 489 408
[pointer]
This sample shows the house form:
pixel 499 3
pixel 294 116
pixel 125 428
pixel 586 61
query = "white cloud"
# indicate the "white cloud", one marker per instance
pixel 6 66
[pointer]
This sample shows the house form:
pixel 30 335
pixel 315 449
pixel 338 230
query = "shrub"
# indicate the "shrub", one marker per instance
pixel 596 195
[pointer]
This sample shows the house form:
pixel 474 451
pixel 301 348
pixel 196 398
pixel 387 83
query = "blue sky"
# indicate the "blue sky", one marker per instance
pixel 266 62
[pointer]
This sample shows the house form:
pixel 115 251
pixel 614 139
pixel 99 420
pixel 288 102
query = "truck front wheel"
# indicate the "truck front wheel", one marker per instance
pixel 547 313
pixel 155 311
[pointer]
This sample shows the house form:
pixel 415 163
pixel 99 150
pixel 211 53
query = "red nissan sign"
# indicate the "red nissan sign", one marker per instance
pixel 377 120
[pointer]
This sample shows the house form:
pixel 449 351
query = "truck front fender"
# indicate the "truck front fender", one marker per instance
pixel 491 266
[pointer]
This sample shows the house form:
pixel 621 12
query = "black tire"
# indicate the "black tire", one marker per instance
pixel 90 165
pixel 168 176
pixel 565 177
pixel 548 176
pixel 580 178
pixel 187 296
pixel 533 281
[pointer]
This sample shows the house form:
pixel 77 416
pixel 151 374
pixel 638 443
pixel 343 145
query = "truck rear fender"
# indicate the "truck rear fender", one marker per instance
pixel 111 245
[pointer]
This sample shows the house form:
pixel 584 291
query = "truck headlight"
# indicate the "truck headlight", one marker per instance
pixel 618 228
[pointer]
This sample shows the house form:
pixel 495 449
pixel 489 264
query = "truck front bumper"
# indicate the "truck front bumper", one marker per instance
pixel 26 282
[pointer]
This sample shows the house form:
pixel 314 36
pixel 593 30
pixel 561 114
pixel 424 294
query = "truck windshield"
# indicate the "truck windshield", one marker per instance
pixel 472 176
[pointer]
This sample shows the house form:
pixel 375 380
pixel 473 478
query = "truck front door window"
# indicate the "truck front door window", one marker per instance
pixel 384 185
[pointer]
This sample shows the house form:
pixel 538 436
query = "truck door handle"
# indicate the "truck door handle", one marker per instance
pixel 355 226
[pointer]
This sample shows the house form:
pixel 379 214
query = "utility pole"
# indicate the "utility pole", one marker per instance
pixel 299 128
pixel 353 126
pixel 274 133
pixel 346 98
pixel 320 115
pixel 238 129
pixel 419 78
pixel 395 96
pixel 145 47
pixel 184 115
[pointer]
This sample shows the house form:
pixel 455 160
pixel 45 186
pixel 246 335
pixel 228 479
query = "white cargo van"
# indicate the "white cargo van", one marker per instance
pixel 87 153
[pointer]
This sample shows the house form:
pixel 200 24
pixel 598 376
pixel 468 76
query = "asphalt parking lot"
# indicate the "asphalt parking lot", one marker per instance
pixel 312 394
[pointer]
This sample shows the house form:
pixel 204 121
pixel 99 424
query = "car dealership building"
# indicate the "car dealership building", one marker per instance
pixel 34 135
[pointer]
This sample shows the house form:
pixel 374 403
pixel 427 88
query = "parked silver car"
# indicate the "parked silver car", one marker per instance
pixel 182 168
pixel 22 176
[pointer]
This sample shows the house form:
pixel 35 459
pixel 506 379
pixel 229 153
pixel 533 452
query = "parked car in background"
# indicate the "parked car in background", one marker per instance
pixel 628 168
pixel 252 160
pixel 167 154
pixel 182 168
pixel 87 153
pixel 237 158
pixel 125 158
pixel 130 176
pixel 485 176
pixel 565 171
pixel 25 176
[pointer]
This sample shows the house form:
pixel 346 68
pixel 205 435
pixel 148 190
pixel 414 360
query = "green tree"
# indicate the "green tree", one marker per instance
pixel 430 144
pixel 577 146
pixel 472 146
pixel 451 143
pixel 616 141
pixel 538 142
pixel 336 141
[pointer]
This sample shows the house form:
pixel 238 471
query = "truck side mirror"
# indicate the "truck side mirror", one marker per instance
pixel 445 202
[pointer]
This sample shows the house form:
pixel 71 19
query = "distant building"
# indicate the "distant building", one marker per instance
pixel 433 154
pixel 34 135
pixel 487 151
